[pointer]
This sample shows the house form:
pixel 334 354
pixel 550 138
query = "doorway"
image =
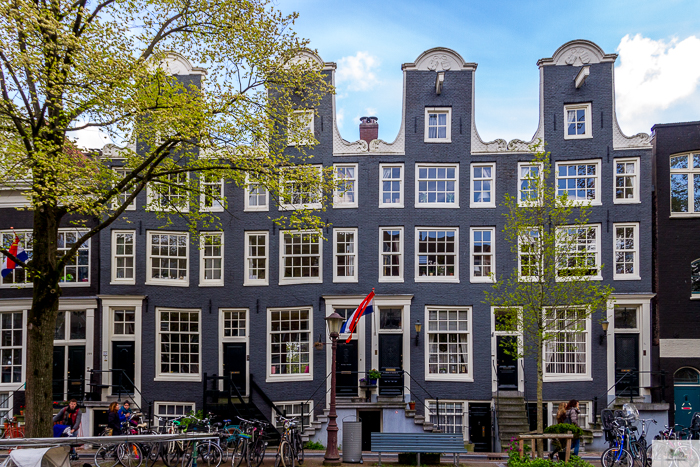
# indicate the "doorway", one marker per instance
pixel 235 355
pixel 123 358
pixel 371 423
pixel 346 368
pixel 627 364
pixel 506 363
pixel 391 364
pixel 686 395
pixel 480 426
pixel 68 372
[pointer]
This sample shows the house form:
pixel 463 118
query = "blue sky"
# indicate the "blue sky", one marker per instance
pixel 657 73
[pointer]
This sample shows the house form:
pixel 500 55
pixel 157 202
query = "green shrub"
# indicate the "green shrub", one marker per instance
pixel 314 446
pixel 574 461
pixel 563 428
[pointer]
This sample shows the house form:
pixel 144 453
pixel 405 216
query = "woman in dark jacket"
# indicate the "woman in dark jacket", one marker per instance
pixel 114 421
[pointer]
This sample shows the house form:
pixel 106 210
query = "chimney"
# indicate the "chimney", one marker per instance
pixel 369 129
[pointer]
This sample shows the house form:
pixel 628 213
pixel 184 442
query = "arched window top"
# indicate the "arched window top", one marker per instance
pixel 686 376
pixel 695 277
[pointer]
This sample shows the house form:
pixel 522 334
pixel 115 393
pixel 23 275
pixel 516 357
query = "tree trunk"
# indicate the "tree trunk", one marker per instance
pixel 540 421
pixel 41 324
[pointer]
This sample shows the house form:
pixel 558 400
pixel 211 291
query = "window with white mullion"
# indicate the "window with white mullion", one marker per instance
pixel 11 338
pixel 171 194
pixel 301 128
pixel 256 196
pixel 391 254
pixel 577 121
pixel 178 343
pixel 685 184
pixel 300 254
pixel 437 255
pixel 578 251
pixel 123 256
pixel 123 321
pixel 18 276
pixel 212 259
pixel 438 123
pixel 120 198
pixel 579 181
pixel 256 262
pixel 448 344
pixel 483 255
pixel 168 258
pixel 529 251
pixel 452 415
pixel 626 181
pixel 234 323
pixel 483 186
pixel 301 193
pixel 169 410
pixel 77 269
pixel 212 193
pixel 437 186
pixel 289 353
pixel 567 345
pixel 529 182
pixel 626 251
pixel 345 195
pixel 345 257
pixel 391 186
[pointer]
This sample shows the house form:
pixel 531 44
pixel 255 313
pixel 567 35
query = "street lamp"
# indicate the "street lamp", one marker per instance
pixel 332 456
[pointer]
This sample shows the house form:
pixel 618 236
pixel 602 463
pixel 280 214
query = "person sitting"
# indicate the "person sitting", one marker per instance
pixel 115 419
pixel 67 423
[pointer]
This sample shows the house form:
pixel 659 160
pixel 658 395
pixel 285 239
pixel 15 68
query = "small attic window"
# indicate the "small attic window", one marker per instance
pixel 438 123
pixel 577 121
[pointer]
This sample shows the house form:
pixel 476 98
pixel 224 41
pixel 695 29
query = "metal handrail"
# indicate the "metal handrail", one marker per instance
pixel 120 387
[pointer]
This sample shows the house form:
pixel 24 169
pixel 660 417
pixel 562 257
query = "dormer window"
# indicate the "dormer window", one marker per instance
pixel 577 121
pixel 438 122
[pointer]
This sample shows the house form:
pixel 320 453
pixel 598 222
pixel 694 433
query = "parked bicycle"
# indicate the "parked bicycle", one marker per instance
pixel 291 448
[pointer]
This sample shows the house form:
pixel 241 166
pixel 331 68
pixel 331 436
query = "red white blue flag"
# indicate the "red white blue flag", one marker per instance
pixel 365 308
pixel 18 252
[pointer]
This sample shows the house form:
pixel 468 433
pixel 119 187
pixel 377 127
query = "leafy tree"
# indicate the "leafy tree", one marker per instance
pixel 68 65
pixel 555 286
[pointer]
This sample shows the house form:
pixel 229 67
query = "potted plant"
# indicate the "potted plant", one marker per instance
pixel 363 381
pixel 373 376
pixel 412 405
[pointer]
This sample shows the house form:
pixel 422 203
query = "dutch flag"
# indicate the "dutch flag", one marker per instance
pixel 365 308
pixel 18 252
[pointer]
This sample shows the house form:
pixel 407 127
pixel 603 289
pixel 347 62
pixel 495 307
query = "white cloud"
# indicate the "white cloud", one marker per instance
pixel 89 138
pixel 340 117
pixel 654 76
pixel 356 71
pixel 371 111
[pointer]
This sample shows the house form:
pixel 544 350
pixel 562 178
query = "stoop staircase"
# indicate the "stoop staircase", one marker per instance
pixel 511 416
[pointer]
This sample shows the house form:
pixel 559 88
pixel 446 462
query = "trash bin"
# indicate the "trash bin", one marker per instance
pixel 352 441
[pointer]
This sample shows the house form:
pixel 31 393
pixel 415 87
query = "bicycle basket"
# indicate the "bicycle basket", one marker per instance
pixel 630 412
pixel 606 419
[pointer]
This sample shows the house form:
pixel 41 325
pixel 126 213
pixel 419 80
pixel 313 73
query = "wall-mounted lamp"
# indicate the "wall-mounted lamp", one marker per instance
pixel 604 336
pixel 418 327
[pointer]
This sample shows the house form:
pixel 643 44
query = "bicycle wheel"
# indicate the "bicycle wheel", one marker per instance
pixel 171 453
pixel 649 455
pixel 639 454
pixel 299 448
pixel 130 455
pixel 285 455
pixel 616 457
pixel 256 453
pixel 210 454
pixel 106 456
pixel 239 453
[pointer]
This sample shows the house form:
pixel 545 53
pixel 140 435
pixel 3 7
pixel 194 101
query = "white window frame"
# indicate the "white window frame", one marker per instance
pixel 295 404
pixel 454 205
pixel 464 377
pixel 22 234
pixel 247 207
pixel 448 133
pixel 115 280
pixel 492 179
pixel 401 254
pixel 635 199
pixel 115 204
pixel 300 280
pixel 12 385
pixel 483 279
pixel 309 114
pixel 158 404
pixel 149 270
pixel 210 282
pixel 635 264
pixel 355 255
pixel 247 281
pixel 177 376
pixel 465 414
pixel 338 202
pixel 598 276
pixel 85 246
pixel 453 279
pixel 274 377
pixel 528 202
pixel 217 204
pixel 691 173
pixel 583 417
pixel 551 377
pixel 522 278
pixel 588 133
pixel 401 180
pixel 244 339
pixel 315 205
pixel 578 202
pixel 155 205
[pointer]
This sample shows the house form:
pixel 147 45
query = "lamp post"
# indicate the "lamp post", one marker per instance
pixel 332 456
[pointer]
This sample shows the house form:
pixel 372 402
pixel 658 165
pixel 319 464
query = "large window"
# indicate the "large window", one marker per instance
pixel 211 259
pixel 483 186
pixel 346 190
pixel 301 254
pixel 438 123
pixel 437 255
pixel 578 251
pixel 448 344
pixel 391 254
pixel 123 264
pixel 685 184
pixel 579 181
pixel 577 121
pixel 345 257
pixel 168 254
pixel 178 344
pixel 256 262
pixel 437 186
pixel 626 251
pixel 211 198
pixel 289 354
pixel 11 338
pixel 452 415
pixel 301 194
pixel 171 195
pixel 626 181
pixel 391 186
pixel 529 254
pixel 18 276
pixel 568 344
pixel 482 254
pixel 529 180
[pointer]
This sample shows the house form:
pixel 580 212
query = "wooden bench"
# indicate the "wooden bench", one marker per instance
pixel 451 443
pixel 534 437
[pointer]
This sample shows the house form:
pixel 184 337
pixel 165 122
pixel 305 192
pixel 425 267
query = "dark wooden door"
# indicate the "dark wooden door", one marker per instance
pixel 59 373
pixel 76 371
pixel 391 364
pixel 235 357
pixel 627 363
pixel 346 368
pixel 506 365
pixel 480 427
pixel 371 423
pixel 123 358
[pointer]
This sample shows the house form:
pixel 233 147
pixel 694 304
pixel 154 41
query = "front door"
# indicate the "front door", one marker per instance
pixel 235 358
pixel 59 371
pixel 506 365
pixel 480 427
pixel 76 371
pixel 346 368
pixel 391 364
pixel 123 358
pixel 627 363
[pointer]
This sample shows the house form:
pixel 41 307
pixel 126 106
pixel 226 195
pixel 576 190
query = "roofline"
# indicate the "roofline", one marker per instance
pixel 669 125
